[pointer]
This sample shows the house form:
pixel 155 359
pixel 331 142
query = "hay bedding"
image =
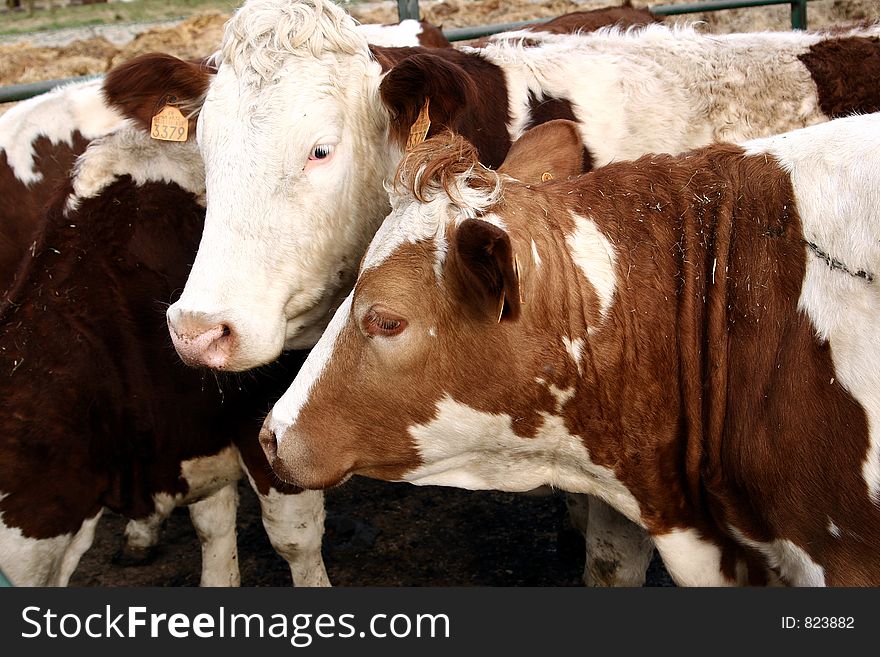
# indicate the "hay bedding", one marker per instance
pixel 199 35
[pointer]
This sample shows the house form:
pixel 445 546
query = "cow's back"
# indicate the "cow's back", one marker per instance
pixel 39 142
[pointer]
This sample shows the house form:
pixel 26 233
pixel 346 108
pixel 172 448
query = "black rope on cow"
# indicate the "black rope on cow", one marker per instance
pixel 834 263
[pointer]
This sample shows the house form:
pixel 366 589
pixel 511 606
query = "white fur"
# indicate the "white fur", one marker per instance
pixel 691 559
pixel 43 562
pixel 287 409
pixel 295 526
pixel 835 169
pixel 575 349
pixel 214 520
pixel 405 33
pixel 595 257
pixel 56 115
pixel 130 151
pixel 793 564
pixel 472 449
pixel 535 257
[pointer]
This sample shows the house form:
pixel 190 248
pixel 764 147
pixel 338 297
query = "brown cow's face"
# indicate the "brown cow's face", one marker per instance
pixel 431 372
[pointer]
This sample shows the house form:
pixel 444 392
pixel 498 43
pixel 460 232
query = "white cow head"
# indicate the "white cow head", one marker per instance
pixel 293 135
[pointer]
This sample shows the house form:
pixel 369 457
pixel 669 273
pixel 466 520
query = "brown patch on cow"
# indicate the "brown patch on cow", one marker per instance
pixel 141 87
pixel 705 389
pixel 587 21
pixel 92 299
pixel 22 206
pixel 846 72
pixel 468 96
pixel 550 109
pixel 432 36
pixel 552 151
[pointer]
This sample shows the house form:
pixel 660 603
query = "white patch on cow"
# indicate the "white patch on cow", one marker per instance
pixel 535 257
pixel 575 349
pixel 405 33
pixel 287 409
pixel 471 449
pixel 595 257
pixel 432 331
pixel 56 115
pixel 835 172
pixel 130 151
pixel 793 564
pixel 42 562
pixel 833 529
pixel 714 87
pixel 691 559
pixel 295 526
pixel 214 520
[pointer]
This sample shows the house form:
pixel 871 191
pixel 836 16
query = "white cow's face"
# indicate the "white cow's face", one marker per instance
pixel 296 160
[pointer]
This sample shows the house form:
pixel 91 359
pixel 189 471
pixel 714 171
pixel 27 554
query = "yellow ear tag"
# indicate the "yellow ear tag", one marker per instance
pixel 420 128
pixel 170 125
pixel 546 176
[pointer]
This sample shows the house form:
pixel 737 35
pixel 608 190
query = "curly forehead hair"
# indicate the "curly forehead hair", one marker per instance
pixel 263 34
pixel 448 164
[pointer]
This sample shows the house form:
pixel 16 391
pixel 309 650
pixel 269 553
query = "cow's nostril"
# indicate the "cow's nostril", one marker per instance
pixel 225 330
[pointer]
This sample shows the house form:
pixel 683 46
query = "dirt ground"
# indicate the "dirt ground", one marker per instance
pixel 380 534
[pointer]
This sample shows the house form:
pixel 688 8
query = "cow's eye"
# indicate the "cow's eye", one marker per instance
pixel 321 152
pixel 380 322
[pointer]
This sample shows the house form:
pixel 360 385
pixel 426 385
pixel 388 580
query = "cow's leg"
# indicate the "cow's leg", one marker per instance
pixel 618 551
pixel 691 559
pixel 295 525
pixel 46 561
pixel 142 536
pixel 214 519
pixel 77 547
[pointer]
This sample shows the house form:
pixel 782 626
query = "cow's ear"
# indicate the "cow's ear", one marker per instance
pixel 142 86
pixel 486 270
pixel 550 151
pixel 405 88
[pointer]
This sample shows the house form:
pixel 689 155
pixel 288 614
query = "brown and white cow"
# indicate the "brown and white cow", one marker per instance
pixel 407 32
pixel 98 411
pixel 304 122
pixel 691 338
pixel 39 140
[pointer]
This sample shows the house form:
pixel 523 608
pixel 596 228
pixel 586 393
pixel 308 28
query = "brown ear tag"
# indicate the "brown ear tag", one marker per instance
pixel 420 128
pixel 170 125
pixel 546 176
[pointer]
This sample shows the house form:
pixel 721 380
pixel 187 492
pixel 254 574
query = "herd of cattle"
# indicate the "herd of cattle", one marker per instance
pixel 638 264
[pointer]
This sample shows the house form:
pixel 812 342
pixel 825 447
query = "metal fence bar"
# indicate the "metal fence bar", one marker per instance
pixel 18 92
pixel 798 8
pixel 465 33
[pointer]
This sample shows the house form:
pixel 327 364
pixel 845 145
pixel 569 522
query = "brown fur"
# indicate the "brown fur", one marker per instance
pixel 432 36
pixel 468 95
pixel 588 21
pixel 846 72
pixel 705 389
pixel 21 206
pixel 141 87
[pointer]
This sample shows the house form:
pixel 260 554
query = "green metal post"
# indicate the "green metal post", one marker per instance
pixel 408 9
pixel 799 14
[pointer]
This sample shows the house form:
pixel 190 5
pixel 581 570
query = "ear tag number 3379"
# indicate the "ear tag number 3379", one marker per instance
pixel 169 125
